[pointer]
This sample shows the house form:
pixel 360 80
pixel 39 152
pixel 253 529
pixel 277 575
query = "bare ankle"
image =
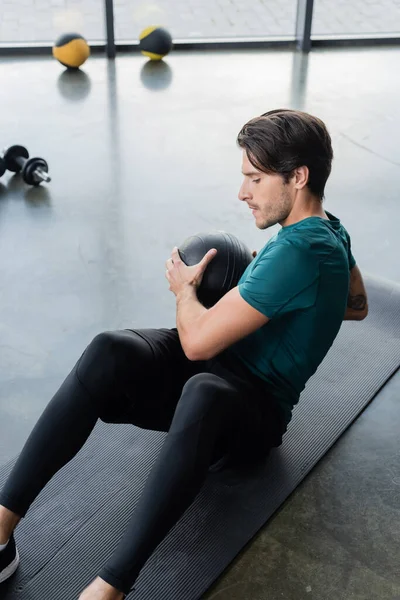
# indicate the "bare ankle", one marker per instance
pixel 8 522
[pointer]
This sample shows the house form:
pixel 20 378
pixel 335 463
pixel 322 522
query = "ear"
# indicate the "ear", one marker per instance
pixel 301 174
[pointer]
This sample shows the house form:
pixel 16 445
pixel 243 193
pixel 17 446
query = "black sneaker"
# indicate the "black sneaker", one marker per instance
pixel 9 560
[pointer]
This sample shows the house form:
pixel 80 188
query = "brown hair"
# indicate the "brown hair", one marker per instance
pixel 281 140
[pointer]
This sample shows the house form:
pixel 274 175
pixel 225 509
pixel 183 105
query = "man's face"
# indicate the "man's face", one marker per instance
pixel 268 195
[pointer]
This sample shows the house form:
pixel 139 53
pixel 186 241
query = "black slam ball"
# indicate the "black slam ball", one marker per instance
pixel 226 268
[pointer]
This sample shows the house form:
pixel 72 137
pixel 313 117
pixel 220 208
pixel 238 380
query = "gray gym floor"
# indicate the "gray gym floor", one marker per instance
pixel 141 157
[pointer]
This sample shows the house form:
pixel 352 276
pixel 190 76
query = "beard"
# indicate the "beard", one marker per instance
pixel 276 212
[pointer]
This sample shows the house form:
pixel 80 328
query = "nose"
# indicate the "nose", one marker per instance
pixel 243 194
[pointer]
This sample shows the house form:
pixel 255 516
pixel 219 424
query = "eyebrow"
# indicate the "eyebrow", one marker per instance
pixel 251 173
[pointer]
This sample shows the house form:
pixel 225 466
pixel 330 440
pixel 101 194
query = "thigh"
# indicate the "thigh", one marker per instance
pixel 259 424
pixel 151 370
pixel 221 419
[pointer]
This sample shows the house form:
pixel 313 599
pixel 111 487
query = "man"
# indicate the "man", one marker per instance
pixel 224 382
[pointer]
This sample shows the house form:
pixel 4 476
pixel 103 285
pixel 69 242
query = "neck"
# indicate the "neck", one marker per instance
pixel 308 206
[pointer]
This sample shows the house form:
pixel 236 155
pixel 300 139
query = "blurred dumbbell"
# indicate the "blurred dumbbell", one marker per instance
pixel 33 170
pixel 3 167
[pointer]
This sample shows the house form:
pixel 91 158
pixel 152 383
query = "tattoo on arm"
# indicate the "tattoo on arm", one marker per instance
pixel 357 302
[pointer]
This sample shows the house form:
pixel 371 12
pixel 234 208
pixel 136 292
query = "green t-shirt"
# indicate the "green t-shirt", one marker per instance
pixel 300 281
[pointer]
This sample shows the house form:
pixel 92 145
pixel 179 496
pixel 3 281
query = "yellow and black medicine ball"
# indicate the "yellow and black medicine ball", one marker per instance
pixel 71 50
pixel 155 42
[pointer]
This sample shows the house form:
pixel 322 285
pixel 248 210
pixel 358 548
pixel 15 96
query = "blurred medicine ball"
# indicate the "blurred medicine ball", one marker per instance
pixel 71 50
pixel 155 42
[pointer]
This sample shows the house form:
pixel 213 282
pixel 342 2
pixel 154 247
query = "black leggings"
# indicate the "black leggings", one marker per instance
pixel 209 409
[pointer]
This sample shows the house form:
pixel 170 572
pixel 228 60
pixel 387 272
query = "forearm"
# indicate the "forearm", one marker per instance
pixel 353 315
pixel 189 312
pixel 357 308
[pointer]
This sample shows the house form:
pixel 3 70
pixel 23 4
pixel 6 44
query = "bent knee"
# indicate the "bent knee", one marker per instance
pixel 104 341
pixel 97 363
pixel 202 395
pixel 201 379
pixel 204 384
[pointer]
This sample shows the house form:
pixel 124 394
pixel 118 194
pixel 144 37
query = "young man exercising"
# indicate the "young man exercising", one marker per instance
pixel 223 383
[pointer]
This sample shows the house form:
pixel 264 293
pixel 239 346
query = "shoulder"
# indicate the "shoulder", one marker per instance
pixel 318 237
pixel 283 257
pixel 289 245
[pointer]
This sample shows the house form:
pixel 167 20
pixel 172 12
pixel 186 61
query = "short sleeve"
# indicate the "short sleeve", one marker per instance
pixel 282 280
pixel 352 260
pixel 350 257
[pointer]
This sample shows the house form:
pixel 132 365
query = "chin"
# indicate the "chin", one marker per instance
pixel 263 224
pixel 269 223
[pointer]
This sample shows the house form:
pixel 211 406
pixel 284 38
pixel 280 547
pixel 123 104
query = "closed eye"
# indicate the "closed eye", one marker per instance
pixel 256 180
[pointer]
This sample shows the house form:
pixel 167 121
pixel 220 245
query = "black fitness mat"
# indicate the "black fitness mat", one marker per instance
pixel 78 519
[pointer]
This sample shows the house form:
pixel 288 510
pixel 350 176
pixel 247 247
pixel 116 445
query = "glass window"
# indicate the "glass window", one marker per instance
pixel 199 19
pixel 356 17
pixel 45 20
